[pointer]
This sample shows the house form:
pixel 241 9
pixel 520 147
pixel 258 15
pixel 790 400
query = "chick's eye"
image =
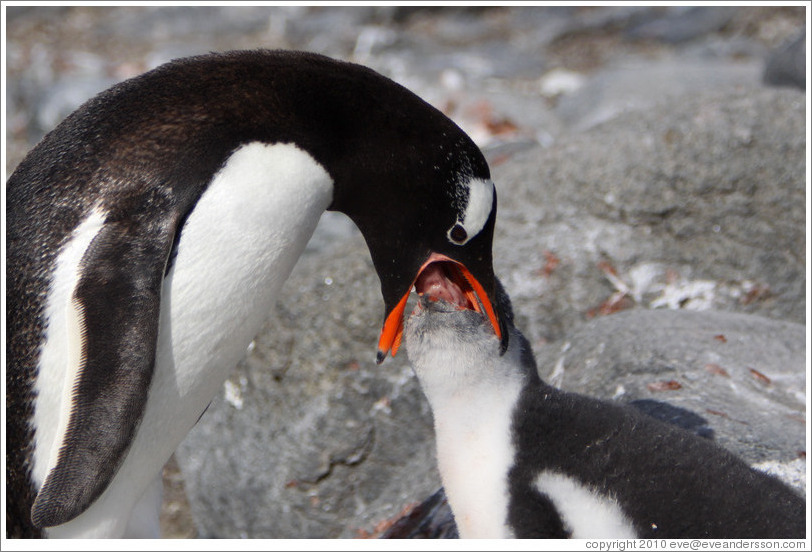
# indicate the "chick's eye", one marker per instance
pixel 458 233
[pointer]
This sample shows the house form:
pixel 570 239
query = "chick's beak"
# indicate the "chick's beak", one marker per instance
pixel 447 279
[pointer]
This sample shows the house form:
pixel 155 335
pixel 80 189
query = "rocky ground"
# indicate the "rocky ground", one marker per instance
pixel 650 165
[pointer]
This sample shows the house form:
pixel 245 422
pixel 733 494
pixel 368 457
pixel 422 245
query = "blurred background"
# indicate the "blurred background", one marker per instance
pixel 500 72
pixel 646 159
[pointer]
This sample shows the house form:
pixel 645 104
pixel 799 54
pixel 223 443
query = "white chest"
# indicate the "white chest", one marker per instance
pixel 474 454
pixel 236 249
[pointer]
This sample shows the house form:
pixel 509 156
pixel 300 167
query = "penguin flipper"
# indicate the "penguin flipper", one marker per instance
pixel 117 304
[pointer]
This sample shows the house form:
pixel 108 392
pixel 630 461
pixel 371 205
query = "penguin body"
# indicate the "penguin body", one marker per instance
pixel 520 458
pixel 147 237
pixel 228 266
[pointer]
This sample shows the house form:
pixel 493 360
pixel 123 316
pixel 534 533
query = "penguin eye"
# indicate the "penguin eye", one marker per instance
pixel 458 233
pixel 478 206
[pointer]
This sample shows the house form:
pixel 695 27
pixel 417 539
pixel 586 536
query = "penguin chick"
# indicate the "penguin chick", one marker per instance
pixel 520 458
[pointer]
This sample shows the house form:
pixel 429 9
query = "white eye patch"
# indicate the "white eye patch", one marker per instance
pixel 473 218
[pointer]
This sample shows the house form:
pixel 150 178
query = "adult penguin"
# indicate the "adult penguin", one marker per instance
pixel 149 232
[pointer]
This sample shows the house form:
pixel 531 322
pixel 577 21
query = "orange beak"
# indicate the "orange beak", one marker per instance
pixel 392 331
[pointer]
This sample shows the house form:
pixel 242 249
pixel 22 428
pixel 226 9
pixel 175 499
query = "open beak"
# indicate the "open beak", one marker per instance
pixel 473 296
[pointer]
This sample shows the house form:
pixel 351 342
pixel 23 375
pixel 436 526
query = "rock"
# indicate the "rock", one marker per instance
pixel 787 65
pixel 674 415
pixel 313 438
pixel 698 205
pixel 743 374
pixel 431 519
pixel 682 24
pixel 636 84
